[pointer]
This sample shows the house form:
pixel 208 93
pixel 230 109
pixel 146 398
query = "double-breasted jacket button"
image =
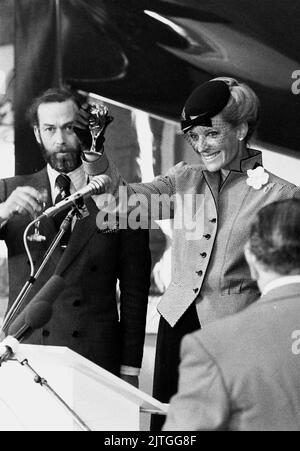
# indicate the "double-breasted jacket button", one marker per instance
pixel 196 290
pixel 45 333
pixel 213 220
pixel 93 268
pixel 199 273
pixel 76 303
pixel 203 254
pixel 207 236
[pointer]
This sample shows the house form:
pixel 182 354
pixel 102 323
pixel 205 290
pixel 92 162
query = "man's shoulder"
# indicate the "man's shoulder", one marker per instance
pixel 19 180
pixel 248 329
pixel 223 335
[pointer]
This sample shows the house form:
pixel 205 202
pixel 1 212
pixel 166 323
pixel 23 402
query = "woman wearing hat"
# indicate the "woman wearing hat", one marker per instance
pixel 210 277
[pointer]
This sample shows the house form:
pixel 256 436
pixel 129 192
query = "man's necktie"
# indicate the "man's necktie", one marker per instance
pixel 63 183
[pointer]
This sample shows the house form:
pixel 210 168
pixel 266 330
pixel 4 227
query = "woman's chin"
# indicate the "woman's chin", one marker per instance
pixel 212 166
pixel 213 163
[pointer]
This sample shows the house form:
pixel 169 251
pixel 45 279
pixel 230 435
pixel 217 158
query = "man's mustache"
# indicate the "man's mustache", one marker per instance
pixel 65 150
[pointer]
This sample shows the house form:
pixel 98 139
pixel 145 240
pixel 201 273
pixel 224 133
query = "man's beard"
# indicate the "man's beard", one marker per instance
pixel 62 161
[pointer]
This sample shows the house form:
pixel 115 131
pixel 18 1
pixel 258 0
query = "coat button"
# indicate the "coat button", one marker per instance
pixel 45 333
pixel 75 334
pixel 213 220
pixel 199 273
pixel 76 303
pixel 203 255
pixel 93 268
pixel 207 236
pixel 196 290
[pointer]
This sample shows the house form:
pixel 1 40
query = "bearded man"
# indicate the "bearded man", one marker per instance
pixel 86 316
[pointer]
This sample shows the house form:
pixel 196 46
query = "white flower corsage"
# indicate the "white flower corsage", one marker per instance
pixel 257 177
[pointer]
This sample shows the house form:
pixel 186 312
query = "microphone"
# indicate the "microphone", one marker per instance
pixel 35 315
pixel 98 185
pixel 39 310
pixel 8 347
pixel 34 318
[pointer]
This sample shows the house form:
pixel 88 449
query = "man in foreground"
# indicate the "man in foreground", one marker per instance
pixel 242 373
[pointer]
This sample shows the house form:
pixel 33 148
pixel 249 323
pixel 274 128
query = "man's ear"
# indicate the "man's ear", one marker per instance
pixel 37 134
pixel 252 262
pixel 242 131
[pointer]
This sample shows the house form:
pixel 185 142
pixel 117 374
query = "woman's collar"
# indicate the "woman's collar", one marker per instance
pixel 251 160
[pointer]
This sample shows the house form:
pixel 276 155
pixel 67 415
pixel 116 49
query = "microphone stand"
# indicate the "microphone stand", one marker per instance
pixel 15 308
pixel 43 383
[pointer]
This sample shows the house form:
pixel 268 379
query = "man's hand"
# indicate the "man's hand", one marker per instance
pixel 132 380
pixel 81 128
pixel 23 200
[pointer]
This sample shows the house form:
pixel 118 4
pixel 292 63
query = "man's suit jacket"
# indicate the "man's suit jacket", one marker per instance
pixel 85 317
pixel 242 373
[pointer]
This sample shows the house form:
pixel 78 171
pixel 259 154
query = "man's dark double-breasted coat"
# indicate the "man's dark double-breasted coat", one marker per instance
pixel 86 317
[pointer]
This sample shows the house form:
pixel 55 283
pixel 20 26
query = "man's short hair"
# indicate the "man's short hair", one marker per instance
pixel 51 95
pixel 275 237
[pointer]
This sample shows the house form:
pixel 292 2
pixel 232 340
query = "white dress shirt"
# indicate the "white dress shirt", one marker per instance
pixel 78 180
pixel 280 282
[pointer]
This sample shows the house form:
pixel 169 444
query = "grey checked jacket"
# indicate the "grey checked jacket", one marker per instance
pixel 209 269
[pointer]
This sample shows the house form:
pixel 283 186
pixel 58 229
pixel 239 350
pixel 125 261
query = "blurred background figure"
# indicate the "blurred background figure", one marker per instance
pixel 7 149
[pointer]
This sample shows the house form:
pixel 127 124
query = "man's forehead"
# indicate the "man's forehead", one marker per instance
pixel 53 111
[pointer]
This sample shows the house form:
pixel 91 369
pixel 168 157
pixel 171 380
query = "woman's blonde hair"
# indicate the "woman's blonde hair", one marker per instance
pixel 243 106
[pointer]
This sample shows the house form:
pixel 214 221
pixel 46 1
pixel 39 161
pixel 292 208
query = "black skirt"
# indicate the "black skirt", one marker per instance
pixel 167 359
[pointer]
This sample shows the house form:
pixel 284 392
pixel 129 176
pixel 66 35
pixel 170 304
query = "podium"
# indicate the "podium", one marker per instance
pixel 103 401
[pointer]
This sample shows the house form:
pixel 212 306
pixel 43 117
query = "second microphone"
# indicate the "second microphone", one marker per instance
pixel 98 185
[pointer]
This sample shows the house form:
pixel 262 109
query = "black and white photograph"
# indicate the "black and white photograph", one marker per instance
pixel 149 218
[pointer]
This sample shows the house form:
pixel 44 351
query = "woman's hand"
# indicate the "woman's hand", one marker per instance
pixel 81 128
